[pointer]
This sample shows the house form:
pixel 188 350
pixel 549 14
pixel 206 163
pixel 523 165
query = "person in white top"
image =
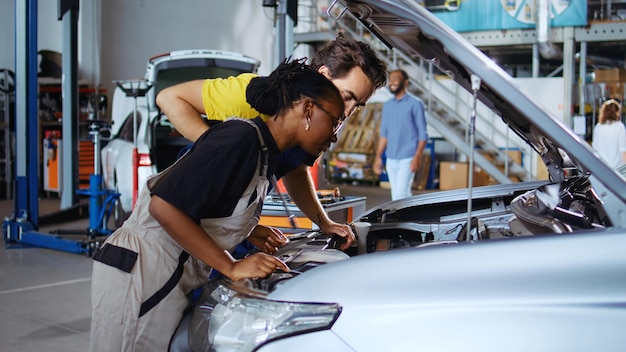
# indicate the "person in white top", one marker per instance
pixel 609 134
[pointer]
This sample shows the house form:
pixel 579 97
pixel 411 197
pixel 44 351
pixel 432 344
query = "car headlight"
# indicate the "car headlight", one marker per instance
pixel 242 321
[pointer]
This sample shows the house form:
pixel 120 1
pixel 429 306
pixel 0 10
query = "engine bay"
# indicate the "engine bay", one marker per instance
pixel 555 208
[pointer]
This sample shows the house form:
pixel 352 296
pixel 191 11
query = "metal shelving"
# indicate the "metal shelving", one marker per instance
pixel 595 32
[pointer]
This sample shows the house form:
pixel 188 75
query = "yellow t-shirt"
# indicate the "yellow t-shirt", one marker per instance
pixel 225 97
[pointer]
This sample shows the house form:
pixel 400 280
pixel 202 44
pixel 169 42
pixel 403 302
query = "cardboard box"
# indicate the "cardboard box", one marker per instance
pixel 454 175
pixel 542 170
pixel 516 156
pixel 610 75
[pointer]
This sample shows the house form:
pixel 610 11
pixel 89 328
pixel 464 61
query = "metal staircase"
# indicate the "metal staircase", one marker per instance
pixel 449 108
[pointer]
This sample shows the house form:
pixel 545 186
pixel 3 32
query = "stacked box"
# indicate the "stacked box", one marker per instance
pixel 454 175
pixel 612 80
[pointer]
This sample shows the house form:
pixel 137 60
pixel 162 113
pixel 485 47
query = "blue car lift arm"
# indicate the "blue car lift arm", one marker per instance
pixel 22 225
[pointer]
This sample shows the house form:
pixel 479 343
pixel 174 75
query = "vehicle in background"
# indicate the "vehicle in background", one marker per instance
pixel 524 266
pixel 158 143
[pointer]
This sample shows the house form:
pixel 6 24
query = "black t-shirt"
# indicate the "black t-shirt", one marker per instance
pixel 291 158
pixel 210 179
pixel 288 160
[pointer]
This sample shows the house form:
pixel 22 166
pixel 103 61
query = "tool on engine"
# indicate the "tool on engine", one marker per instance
pixel 290 216
pixel 335 242
pixel 287 257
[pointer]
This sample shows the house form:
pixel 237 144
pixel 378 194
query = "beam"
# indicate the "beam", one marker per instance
pixel 68 12
pixel 26 129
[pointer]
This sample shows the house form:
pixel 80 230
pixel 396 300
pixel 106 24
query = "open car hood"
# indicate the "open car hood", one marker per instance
pixel 407 26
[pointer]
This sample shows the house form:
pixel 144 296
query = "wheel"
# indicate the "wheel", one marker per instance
pixel 119 215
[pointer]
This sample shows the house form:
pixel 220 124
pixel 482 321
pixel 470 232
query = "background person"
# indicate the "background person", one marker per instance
pixel 191 215
pixel 351 65
pixel 609 134
pixel 403 136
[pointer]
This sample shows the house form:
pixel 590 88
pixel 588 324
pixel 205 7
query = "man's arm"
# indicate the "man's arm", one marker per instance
pixel 302 191
pixel 415 163
pixel 182 104
pixel 422 133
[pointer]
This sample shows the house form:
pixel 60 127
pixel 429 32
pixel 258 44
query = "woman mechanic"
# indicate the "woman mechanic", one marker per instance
pixel 354 69
pixel 191 215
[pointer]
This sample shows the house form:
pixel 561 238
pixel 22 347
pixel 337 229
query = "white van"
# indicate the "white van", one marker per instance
pixel 158 143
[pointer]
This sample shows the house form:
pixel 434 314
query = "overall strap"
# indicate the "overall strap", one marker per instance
pixel 264 153
pixel 167 288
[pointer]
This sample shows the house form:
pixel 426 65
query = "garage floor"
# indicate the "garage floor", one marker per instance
pixel 45 294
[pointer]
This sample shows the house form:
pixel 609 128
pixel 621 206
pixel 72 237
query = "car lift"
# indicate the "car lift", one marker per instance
pixel 99 210
pixel 22 225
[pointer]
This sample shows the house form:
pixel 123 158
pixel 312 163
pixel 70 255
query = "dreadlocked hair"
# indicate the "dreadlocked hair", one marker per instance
pixel 290 81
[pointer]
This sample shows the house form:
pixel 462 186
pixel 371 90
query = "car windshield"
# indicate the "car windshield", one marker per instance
pixel 170 76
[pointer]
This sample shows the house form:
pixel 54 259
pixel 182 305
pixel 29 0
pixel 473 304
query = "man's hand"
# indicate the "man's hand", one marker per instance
pixel 378 166
pixel 415 163
pixel 345 231
pixel 267 239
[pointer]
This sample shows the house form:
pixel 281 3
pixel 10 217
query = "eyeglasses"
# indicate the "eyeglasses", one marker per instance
pixel 354 110
pixel 337 121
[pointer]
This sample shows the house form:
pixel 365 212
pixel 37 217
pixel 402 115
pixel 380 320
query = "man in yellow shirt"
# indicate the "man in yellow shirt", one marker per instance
pixel 351 65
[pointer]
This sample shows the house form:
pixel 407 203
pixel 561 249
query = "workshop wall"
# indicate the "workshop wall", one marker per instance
pixel 49 30
pixel 117 37
pixel 135 30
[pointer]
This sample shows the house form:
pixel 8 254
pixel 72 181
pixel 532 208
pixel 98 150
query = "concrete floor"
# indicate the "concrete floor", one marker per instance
pixel 45 294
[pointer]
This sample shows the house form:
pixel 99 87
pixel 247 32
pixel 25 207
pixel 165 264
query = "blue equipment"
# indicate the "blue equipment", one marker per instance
pixel 22 225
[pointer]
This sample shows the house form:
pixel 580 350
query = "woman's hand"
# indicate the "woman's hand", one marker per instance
pixel 345 231
pixel 256 266
pixel 192 238
pixel 267 239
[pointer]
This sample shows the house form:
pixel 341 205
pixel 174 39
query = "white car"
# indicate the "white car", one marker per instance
pixel 534 266
pixel 158 143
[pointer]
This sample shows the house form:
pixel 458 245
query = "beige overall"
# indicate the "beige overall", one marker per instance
pixel 117 295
